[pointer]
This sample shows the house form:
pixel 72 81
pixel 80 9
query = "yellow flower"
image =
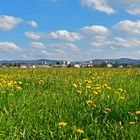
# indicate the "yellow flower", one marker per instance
pixel 88 81
pixel 19 88
pixel 89 101
pixel 122 98
pixel 137 112
pixel 79 91
pixel 107 110
pixel 75 85
pixel 95 92
pixel 85 139
pixel 62 124
pixel 120 90
pixel 80 131
pixel 19 82
pixel 132 123
pixel 108 87
pixel 88 87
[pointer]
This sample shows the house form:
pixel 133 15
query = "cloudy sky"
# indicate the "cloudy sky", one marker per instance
pixel 69 29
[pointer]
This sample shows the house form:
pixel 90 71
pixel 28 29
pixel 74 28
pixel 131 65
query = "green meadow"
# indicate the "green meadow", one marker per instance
pixel 70 104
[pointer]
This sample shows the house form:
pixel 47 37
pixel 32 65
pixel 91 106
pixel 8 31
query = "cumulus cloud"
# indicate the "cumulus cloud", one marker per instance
pixel 32 23
pixel 37 45
pixel 8 46
pixel 129 27
pixel 110 7
pixel 121 42
pixel 35 36
pixel 9 22
pixel 132 6
pixel 61 35
pixel 101 5
pixel 65 35
pixel 96 30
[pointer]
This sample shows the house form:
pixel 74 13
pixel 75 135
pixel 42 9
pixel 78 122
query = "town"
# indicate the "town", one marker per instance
pixel 69 64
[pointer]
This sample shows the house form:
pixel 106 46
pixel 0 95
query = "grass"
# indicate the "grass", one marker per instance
pixel 54 104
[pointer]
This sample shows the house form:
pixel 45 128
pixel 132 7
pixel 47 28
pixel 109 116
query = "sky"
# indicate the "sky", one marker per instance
pixel 69 29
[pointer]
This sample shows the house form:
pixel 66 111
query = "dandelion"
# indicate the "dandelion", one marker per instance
pixel 85 139
pixel 88 87
pixel 80 131
pixel 95 92
pixel 137 112
pixel 120 90
pixel 107 110
pixel 19 88
pixel 122 98
pixel 89 101
pixel 74 85
pixel 132 123
pixel 62 124
pixel 88 81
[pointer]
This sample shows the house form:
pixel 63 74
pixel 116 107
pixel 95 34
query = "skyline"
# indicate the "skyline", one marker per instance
pixel 69 30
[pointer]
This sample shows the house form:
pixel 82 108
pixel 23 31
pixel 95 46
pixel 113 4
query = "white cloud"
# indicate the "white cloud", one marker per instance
pixel 129 27
pixel 121 42
pixel 9 22
pixel 96 30
pixel 132 6
pixel 8 46
pixel 100 5
pixel 35 36
pixel 65 35
pixel 37 45
pixel 61 35
pixel 32 23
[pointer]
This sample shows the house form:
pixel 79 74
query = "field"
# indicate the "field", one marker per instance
pixel 69 104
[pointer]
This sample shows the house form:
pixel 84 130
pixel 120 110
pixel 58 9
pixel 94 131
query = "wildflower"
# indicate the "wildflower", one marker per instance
pixel 104 85
pixel 95 92
pixel 88 81
pixel 80 131
pixel 74 85
pixel 120 90
pixel 85 139
pixel 79 91
pixel 88 87
pixel 132 123
pixel 89 101
pixel 19 82
pixel 107 110
pixel 19 88
pixel 62 124
pixel 137 112
pixel 108 87
pixel 122 98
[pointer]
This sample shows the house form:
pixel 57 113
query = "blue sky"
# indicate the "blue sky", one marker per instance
pixel 69 29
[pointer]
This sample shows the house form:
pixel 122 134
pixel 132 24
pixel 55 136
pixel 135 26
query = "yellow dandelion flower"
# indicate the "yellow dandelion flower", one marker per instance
pixel 122 98
pixel 62 124
pixel 74 85
pixel 107 110
pixel 80 131
pixel 95 92
pixel 137 112
pixel 108 87
pixel 132 123
pixel 79 91
pixel 120 90
pixel 88 87
pixel 85 139
pixel 89 101
pixel 19 88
